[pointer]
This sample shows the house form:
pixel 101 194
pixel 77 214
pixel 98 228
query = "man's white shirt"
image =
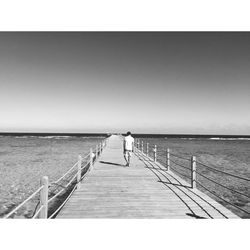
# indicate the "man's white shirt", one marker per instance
pixel 128 140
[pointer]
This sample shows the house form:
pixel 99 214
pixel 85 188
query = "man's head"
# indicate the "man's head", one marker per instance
pixel 128 133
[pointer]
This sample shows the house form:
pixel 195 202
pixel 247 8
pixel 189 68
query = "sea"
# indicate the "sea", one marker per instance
pixel 25 158
pixel 230 154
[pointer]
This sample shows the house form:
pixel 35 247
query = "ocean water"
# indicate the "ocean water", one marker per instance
pixel 231 155
pixel 25 159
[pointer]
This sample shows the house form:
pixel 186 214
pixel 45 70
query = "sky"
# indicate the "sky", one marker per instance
pixel 143 82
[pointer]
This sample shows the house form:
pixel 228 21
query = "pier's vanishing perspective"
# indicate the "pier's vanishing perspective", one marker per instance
pixel 99 185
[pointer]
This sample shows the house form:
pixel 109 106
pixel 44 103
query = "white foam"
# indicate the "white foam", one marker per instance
pixel 230 139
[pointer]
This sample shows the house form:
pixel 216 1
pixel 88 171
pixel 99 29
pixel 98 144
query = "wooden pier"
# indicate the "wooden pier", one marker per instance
pixel 146 189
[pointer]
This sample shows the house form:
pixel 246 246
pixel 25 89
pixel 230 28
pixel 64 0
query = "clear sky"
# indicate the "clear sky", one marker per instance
pixel 114 82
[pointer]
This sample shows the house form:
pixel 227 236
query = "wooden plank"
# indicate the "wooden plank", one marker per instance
pixel 144 190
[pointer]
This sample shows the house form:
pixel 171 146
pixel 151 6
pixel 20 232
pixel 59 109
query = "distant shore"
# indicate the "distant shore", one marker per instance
pixel 52 134
pixel 141 135
pixel 203 136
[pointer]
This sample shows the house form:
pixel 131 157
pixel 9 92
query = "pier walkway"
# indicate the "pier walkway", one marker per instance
pixel 144 190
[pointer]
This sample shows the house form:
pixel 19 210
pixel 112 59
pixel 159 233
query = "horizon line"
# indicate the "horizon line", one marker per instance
pixel 136 134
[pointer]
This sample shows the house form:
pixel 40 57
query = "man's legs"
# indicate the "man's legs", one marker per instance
pixel 129 156
pixel 125 157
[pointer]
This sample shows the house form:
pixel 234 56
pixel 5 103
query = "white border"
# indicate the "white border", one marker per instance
pixel 114 15
pixel 124 234
pixel 129 15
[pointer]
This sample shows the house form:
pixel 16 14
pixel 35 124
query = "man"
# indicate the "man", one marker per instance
pixel 128 147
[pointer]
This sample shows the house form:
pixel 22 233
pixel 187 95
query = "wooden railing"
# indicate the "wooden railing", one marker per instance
pixel 178 164
pixel 48 191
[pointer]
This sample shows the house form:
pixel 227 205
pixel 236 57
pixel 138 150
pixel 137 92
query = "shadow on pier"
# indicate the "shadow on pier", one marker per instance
pixel 173 183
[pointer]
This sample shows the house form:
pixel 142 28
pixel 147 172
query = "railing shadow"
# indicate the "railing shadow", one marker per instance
pixel 155 171
pixel 166 175
pixel 174 184
pixel 61 198
pixel 112 163
pixel 167 182
pixel 195 216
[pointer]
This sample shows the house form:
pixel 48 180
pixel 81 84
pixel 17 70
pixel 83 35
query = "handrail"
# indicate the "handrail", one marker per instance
pixel 60 207
pixel 217 170
pixel 65 173
pixel 25 201
pixel 214 169
pixel 63 189
pixel 243 210
pixel 71 180
pixel 159 152
pixel 99 148
pixel 37 212
pixel 84 157
pixel 164 150
pixel 57 194
pixel 180 165
pixel 222 185
pixel 183 158
pixel 180 173
pixel 86 164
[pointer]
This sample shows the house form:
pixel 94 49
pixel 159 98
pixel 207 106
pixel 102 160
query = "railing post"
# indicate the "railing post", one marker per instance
pixel 100 146
pixel 90 158
pixel 44 197
pixel 168 160
pixel 142 146
pixel 79 166
pixel 147 149
pixel 155 153
pixel 193 168
pixel 138 144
